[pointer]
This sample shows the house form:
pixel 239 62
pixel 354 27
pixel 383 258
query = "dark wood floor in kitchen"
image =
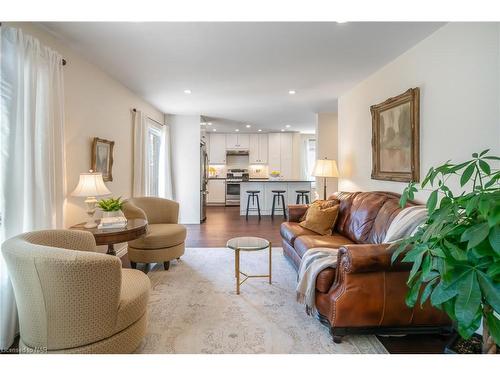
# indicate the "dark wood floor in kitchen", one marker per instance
pixel 224 223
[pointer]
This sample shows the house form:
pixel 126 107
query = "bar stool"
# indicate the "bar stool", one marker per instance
pixel 277 194
pixel 253 194
pixel 302 196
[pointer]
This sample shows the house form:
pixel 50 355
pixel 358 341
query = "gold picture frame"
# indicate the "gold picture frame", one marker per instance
pixel 396 138
pixel 102 157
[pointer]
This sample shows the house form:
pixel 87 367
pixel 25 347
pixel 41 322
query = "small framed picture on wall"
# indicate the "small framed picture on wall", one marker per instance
pixel 396 138
pixel 102 158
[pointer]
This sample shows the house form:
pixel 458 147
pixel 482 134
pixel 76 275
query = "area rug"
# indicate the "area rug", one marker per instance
pixel 194 309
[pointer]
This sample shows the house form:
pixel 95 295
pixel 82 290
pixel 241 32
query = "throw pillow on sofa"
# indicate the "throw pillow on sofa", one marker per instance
pixel 320 220
pixel 323 204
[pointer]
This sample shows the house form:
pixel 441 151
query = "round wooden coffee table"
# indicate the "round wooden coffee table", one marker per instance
pixel 135 228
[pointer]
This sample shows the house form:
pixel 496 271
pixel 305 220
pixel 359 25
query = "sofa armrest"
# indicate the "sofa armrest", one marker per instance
pixel 369 258
pixel 296 211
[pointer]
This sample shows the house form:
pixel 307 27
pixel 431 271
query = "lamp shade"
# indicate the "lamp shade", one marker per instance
pixel 325 168
pixel 90 185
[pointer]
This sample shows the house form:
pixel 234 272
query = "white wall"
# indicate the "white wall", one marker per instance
pixel 185 138
pixel 457 70
pixel 96 105
pixel 327 147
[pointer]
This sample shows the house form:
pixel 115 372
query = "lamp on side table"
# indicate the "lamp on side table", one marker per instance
pixel 325 168
pixel 90 185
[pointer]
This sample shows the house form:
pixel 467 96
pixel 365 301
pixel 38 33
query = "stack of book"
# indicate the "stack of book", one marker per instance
pixel 112 223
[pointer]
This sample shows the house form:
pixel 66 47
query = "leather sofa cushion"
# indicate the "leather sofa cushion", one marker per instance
pixel 291 231
pixel 160 236
pixel 304 243
pixel 325 279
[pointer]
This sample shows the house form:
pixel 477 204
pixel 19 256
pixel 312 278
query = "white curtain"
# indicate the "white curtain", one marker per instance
pixel 32 184
pixel 140 155
pixel 166 175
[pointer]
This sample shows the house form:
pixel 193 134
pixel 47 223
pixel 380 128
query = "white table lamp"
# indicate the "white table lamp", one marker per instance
pixel 325 168
pixel 90 185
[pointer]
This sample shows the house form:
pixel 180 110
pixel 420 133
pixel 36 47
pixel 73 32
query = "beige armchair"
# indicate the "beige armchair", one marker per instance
pixel 165 238
pixel 71 299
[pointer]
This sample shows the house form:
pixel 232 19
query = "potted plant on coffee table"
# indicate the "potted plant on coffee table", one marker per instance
pixel 111 207
pixel 456 253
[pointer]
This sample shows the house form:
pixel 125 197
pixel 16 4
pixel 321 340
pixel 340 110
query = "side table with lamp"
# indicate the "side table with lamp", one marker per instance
pixel 91 185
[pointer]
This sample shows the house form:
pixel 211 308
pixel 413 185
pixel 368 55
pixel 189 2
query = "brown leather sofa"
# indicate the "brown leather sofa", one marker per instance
pixel 366 293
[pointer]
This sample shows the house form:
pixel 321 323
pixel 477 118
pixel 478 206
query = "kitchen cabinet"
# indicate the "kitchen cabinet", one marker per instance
pixel 216 191
pixel 280 156
pixel 258 149
pixel 217 150
pixel 237 141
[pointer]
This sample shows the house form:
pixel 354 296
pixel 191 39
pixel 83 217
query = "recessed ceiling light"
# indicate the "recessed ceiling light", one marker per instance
pixel 214 130
pixel 287 126
pixel 187 91
pixel 203 123
pixel 292 92
pixel 248 125
pixel 282 130
pixel 209 123
pixel 236 130
pixel 260 130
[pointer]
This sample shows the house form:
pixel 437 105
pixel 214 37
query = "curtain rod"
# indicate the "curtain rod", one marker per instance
pixel 152 119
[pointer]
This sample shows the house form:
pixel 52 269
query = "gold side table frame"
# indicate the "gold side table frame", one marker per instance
pixel 238 272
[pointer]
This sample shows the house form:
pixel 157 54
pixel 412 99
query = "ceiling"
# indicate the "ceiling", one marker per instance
pixel 241 73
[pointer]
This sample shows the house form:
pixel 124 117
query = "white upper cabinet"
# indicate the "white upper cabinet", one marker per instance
pixel 258 149
pixel 217 150
pixel 237 141
pixel 280 157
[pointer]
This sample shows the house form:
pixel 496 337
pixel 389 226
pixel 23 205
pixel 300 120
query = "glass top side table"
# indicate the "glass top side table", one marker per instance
pixel 248 244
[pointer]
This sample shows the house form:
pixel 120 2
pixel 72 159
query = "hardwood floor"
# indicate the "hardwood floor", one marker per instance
pixel 224 223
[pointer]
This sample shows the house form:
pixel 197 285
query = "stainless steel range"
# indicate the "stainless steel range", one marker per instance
pixel 233 179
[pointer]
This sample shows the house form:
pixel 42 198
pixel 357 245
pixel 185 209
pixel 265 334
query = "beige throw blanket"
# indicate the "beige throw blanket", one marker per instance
pixel 406 223
pixel 316 260
pixel 313 262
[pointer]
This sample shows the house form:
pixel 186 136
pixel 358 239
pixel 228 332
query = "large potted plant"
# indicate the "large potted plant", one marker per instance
pixel 456 253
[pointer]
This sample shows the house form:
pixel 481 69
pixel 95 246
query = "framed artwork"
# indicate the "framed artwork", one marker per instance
pixel 396 138
pixel 102 158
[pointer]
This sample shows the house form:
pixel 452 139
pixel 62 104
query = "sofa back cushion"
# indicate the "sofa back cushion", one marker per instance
pixel 364 217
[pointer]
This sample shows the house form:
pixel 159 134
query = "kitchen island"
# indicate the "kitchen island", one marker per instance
pixel 265 186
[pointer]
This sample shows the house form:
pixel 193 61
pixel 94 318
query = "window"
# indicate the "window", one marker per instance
pixel 154 145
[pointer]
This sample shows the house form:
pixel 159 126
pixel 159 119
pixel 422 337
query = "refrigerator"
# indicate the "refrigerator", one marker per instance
pixel 203 181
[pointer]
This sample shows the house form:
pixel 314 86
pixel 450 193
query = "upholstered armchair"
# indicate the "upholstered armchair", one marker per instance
pixel 165 238
pixel 71 299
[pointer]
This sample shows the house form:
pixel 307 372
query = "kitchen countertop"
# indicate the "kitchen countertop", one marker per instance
pixel 272 180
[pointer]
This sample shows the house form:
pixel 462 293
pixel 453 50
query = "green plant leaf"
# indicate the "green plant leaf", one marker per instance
pixel 494 238
pixel 471 205
pixel 427 292
pixel 466 330
pixel 485 167
pixel 411 297
pixel 494 270
pixel 484 152
pixel 416 266
pixel 490 290
pixel 468 299
pixel 441 294
pixel 493 326
pixel 475 234
pixel 432 201
pixel 467 174
pixel 455 251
